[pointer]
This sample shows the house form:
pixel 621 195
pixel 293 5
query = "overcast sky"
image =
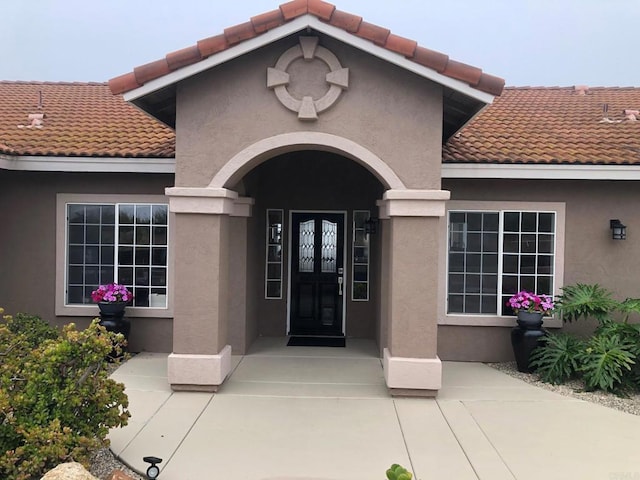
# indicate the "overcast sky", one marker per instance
pixel 526 42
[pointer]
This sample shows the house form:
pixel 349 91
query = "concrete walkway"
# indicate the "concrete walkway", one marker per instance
pixel 293 413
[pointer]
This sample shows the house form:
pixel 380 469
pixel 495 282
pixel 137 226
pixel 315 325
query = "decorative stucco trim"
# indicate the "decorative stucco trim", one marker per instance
pixel 50 163
pixel 308 108
pixel 255 154
pixel 215 201
pixel 242 207
pixel 414 203
pixel 200 372
pixel 541 172
pixel 302 23
pixel 412 373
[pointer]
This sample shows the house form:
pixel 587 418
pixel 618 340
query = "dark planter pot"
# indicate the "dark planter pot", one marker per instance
pixel 113 320
pixel 525 338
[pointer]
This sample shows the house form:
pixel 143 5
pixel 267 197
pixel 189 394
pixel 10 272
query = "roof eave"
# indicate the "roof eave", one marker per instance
pixel 299 24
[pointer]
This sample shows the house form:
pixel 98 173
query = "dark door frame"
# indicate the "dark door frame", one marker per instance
pixel 345 216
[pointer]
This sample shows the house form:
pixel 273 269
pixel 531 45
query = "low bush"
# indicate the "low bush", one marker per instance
pixel 610 359
pixel 57 403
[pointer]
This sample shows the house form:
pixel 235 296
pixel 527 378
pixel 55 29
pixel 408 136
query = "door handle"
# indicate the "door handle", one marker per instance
pixel 340 285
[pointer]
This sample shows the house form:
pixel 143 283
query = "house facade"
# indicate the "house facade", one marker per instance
pixel 308 173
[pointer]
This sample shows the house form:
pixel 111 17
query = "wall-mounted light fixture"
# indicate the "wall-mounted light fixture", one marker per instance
pixel 618 230
pixel 371 225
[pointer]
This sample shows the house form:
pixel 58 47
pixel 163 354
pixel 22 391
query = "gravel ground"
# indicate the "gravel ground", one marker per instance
pixel 104 462
pixel 574 389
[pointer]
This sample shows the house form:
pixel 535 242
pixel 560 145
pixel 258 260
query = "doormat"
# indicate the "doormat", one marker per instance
pixel 316 342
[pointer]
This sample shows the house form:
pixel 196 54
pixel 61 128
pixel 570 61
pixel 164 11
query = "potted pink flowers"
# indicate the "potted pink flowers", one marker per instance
pixel 530 308
pixel 112 300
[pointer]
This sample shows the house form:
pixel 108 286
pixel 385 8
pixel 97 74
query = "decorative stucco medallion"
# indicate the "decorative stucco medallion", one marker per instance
pixel 308 108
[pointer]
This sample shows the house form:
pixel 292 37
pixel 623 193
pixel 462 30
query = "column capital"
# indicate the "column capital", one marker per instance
pixel 413 203
pixel 216 201
pixel 242 207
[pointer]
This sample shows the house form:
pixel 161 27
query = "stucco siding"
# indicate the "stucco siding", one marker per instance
pixel 28 243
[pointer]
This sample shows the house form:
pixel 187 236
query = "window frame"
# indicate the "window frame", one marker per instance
pixel 470 319
pixel 91 310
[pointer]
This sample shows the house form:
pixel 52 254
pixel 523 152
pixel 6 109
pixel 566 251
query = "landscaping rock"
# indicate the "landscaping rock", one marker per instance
pixel 119 475
pixel 68 471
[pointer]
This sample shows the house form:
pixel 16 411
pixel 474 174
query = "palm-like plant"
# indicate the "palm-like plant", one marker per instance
pixel 587 301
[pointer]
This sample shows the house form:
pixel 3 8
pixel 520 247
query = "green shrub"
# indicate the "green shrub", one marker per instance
pixel 397 472
pixel 33 329
pixel 556 360
pixel 585 301
pixel 606 360
pixel 57 403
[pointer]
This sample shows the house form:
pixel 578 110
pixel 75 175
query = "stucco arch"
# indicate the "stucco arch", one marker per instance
pixel 267 148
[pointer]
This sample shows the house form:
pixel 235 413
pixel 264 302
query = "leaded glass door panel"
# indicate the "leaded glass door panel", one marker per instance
pixel 317 273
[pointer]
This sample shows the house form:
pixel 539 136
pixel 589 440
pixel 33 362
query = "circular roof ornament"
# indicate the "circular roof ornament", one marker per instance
pixel 308 108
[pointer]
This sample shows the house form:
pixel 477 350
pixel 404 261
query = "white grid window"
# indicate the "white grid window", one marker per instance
pixel 494 254
pixel 274 235
pixel 360 257
pixel 125 243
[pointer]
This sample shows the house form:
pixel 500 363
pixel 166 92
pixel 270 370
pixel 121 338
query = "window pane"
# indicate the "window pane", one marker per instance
pixel 92 234
pixel 92 214
pixel 474 222
pixel 125 255
pixel 474 242
pixel 472 304
pixel 456 283
pixel 528 243
pixel 527 264
pixel 528 283
pixel 76 275
pixel 489 304
pixel 76 234
pixel 545 243
pixel 76 255
pixel 143 256
pixel 92 275
pixel 160 214
pixel 141 297
pixel 490 222
pixel 106 255
pixel 545 264
pixel 92 255
pixel 125 275
pixel 360 273
pixel 510 263
pixel 473 263
pixel 143 214
pixel 510 284
pixel 456 304
pixel 490 242
pixel 108 215
pixel 143 235
pixel 107 234
pixel 511 243
pixel 489 284
pixel 76 214
pixel 489 263
pixel 456 262
pixel 126 236
pixel 472 283
pixel 546 222
pixel 159 256
pixel 158 277
pixel 126 214
pixel 511 222
pixel 545 285
pixel 159 235
pixel 274 271
pixel 106 275
pixel 273 289
pixel 529 222
pixel 75 295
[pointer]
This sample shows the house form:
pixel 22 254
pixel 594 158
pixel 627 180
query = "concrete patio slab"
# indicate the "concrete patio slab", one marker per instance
pixel 325 414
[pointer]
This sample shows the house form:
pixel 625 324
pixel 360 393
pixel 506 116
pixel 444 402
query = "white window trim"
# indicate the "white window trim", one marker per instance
pixel 62 199
pixel 266 254
pixel 498 320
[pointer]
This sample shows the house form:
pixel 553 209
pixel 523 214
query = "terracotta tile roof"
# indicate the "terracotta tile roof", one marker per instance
pixel 80 119
pixel 325 12
pixel 552 125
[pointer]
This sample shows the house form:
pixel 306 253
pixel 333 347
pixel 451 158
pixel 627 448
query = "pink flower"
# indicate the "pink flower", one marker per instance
pixel 111 293
pixel 530 302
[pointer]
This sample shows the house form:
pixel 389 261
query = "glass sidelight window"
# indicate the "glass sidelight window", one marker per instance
pixel 125 243
pixel 274 235
pixel 360 257
pixel 494 254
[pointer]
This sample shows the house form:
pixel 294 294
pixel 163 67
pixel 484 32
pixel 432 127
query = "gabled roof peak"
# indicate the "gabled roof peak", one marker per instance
pixel 325 12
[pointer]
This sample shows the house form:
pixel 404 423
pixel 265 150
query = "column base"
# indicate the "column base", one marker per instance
pixel 409 376
pixel 200 373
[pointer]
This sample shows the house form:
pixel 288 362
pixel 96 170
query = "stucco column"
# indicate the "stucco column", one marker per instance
pixel 411 363
pixel 239 333
pixel 201 357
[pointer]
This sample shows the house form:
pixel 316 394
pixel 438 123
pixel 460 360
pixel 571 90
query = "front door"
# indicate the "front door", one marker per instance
pixel 317 255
